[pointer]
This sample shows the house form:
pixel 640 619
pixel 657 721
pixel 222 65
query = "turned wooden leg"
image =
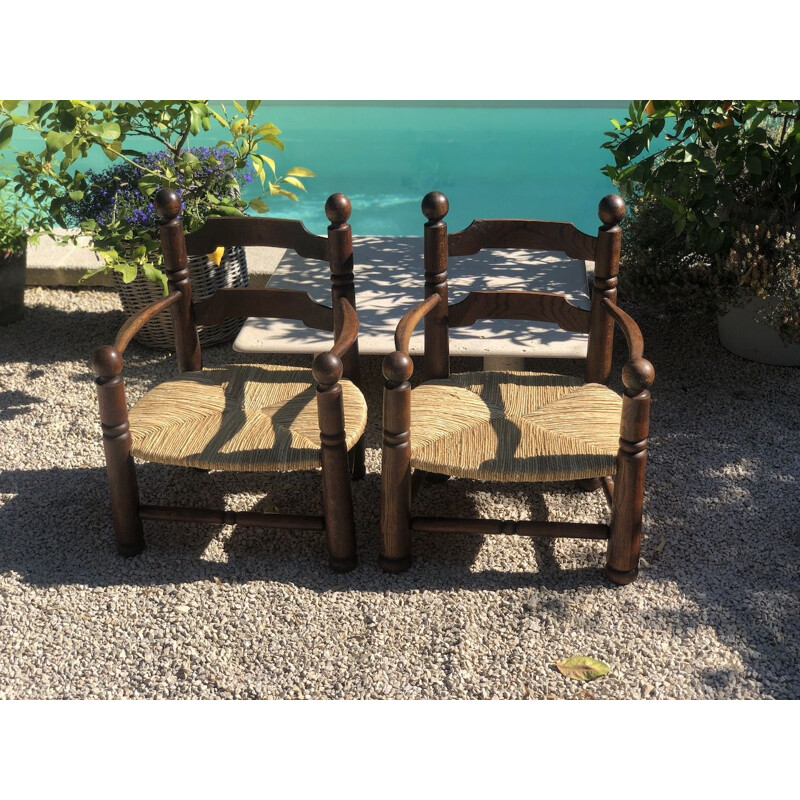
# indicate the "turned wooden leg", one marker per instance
pixel 358 467
pixel 122 484
pixel 337 497
pixel 622 562
pixel 395 527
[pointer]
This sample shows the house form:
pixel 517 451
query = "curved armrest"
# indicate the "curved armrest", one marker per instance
pixel 410 320
pixel 633 336
pixel 638 373
pixel 107 360
pixel 327 367
pixel 135 323
pixel 398 366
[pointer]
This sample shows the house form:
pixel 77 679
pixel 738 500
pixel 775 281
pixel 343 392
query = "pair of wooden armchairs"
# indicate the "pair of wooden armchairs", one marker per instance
pixel 504 426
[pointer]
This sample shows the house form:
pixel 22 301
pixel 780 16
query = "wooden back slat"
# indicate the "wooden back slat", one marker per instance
pixel 256 232
pixel 523 234
pixel 533 306
pixel 276 303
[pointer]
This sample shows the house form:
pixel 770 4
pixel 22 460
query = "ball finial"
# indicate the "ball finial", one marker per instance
pixel 168 204
pixel 397 367
pixel 337 209
pixel 327 369
pixel 435 206
pixel 611 210
pixel 638 375
pixel 107 361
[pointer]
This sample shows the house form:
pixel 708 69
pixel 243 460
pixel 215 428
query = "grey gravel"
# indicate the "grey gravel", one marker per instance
pixel 209 612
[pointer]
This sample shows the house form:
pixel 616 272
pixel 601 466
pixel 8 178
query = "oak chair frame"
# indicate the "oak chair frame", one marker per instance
pixel 328 368
pixel 625 493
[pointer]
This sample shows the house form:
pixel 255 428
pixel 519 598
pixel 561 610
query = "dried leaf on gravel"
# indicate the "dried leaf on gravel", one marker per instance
pixel 583 668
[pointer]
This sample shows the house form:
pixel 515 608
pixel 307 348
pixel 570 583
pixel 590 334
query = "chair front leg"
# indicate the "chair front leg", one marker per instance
pixel 624 544
pixel 395 524
pixel 122 484
pixel 337 493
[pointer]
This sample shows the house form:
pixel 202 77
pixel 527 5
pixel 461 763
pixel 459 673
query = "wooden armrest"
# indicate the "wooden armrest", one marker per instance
pixel 633 336
pixel 327 367
pixel 135 323
pixel 349 331
pixel 410 320
pixel 638 373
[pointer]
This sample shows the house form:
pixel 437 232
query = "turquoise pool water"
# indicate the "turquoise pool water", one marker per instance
pixel 533 160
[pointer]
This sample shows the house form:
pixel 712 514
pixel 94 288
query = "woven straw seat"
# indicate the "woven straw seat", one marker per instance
pixel 259 418
pixel 515 426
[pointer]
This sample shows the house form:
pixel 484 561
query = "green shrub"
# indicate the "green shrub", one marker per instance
pixel 714 200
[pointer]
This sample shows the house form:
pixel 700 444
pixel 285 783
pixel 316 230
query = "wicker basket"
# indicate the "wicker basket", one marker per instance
pixel 206 277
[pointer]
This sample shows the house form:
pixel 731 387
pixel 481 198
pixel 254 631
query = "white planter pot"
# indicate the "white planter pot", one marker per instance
pixel 740 333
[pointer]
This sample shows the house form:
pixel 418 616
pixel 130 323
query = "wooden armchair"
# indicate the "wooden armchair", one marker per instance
pixel 517 426
pixel 254 417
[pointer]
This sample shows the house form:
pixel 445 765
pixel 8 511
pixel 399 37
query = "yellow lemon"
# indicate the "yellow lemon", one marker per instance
pixel 216 256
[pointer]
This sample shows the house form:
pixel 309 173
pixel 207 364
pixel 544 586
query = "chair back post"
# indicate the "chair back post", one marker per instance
pixel 437 344
pixel 606 268
pixel 176 263
pixel 340 258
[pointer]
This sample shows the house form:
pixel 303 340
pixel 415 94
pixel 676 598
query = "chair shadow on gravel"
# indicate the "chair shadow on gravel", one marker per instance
pixel 55 528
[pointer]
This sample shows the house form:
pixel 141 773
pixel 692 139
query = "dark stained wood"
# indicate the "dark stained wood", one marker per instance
pixel 633 336
pixel 340 257
pixel 279 303
pixel 348 334
pixel 572 530
pixel 519 305
pixel 437 344
pixel 338 521
pixel 395 531
pixel 606 269
pixel 187 344
pixel 563 237
pixel 410 320
pixel 607 485
pixel 137 321
pixel 253 519
pixel 256 232
pixel 625 494
pixel 122 485
pixel 337 498
pixel 622 559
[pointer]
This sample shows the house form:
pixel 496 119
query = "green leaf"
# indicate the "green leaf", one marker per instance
pixel 6 132
pixel 155 275
pixel 76 195
pixel 294 182
pixel 252 105
pixel 301 172
pixel 583 668
pixel 55 141
pixel 128 271
pixel 259 205
pixel 106 130
pixel 615 124
pixel 753 164
pixel 239 108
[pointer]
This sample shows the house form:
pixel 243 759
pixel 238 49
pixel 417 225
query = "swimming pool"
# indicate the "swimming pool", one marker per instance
pixel 492 159
pixel 514 160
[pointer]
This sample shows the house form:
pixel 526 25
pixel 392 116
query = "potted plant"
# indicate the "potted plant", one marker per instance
pixel 714 201
pixel 114 206
pixel 18 224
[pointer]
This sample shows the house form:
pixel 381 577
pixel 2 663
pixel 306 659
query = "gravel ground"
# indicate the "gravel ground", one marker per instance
pixel 210 612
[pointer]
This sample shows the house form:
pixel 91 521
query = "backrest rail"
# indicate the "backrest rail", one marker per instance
pixel 276 303
pixel 524 234
pixel 534 306
pixel 256 232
